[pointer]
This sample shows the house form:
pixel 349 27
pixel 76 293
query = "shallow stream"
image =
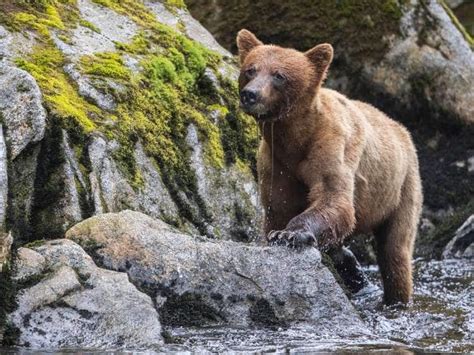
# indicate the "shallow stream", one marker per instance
pixel 440 319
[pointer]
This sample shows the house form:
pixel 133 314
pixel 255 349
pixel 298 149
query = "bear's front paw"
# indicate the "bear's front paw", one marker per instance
pixel 292 238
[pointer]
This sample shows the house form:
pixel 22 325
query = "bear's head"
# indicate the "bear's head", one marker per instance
pixel 274 80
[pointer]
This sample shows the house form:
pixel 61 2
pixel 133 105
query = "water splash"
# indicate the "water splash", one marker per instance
pixel 441 315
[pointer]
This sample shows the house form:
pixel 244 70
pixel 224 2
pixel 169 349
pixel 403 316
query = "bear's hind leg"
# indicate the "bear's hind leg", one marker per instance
pixel 395 242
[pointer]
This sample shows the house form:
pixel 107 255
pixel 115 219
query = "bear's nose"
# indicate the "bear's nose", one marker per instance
pixel 248 97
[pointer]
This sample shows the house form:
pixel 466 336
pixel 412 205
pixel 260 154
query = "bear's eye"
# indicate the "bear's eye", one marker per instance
pixel 250 72
pixel 279 78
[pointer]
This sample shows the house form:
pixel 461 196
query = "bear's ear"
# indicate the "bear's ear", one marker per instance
pixel 321 56
pixel 246 41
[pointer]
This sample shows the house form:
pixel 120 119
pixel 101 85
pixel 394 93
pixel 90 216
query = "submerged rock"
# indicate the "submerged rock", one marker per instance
pixel 67 301
pixel 198 282
pixel 462 245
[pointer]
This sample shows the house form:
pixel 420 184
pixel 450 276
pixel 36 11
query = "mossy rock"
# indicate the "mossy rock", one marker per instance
pixel 174 82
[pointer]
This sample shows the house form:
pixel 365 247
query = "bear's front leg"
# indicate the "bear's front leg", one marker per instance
pixel 330 216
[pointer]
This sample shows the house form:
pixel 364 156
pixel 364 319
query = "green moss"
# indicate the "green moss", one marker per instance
pixel 175 4
pixel 89 25
pixel 60 95
pixel 107 64
pixel 39 16
pixel 35 243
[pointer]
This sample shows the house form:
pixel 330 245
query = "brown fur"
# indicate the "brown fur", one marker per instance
pixel 330 167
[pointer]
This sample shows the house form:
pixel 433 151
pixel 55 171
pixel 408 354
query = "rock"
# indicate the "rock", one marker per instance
pixel 29 264
pixel 74 160
pixel 454 3
pixel 75 304
pixel 199 33
pixel 22 176
pixel 4 39
pixel 462 244
pixel 111 28
pixel 21 109
pixel 3 181
pixel 14 45
pixel 110 190
pixel 198 282
pixel 163 14
pixel 154 199
pixel 56 201
pixel 192 28
pixel 438 64
pixel 6 242
pixel 230 195
pixel 87 90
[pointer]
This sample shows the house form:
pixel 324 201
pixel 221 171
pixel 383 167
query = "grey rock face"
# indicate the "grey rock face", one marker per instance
pixel 229 195
pixel 436 57
pixel 77 304
pixel 4 40
pixel 87 90
pixel 110 190
pixel 3 180
pixel 29 264
pixel 13 45
pixel 199 282
pixel 462 245
pixel 199 33
pixel 192 28
pixel 154 199
pixel 56 201
pixel 163 14
pixel 112 27
pixel 22 189
pixel 21 108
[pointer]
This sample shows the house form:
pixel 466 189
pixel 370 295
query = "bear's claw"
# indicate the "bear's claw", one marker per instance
pixel 293 239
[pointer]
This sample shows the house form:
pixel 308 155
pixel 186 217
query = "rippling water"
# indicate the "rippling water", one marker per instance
pixel 440 319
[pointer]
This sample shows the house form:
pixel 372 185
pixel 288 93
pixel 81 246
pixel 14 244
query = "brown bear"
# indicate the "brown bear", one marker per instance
pixel 329 167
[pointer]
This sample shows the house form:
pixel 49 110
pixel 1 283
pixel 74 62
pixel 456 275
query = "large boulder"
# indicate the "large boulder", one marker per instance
pixel 200 282
pixel 66 301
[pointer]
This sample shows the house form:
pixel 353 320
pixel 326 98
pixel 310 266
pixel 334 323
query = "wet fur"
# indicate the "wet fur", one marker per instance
pixel 334 167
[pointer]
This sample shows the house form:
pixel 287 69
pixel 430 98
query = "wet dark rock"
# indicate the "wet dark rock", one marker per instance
pixel 462 244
